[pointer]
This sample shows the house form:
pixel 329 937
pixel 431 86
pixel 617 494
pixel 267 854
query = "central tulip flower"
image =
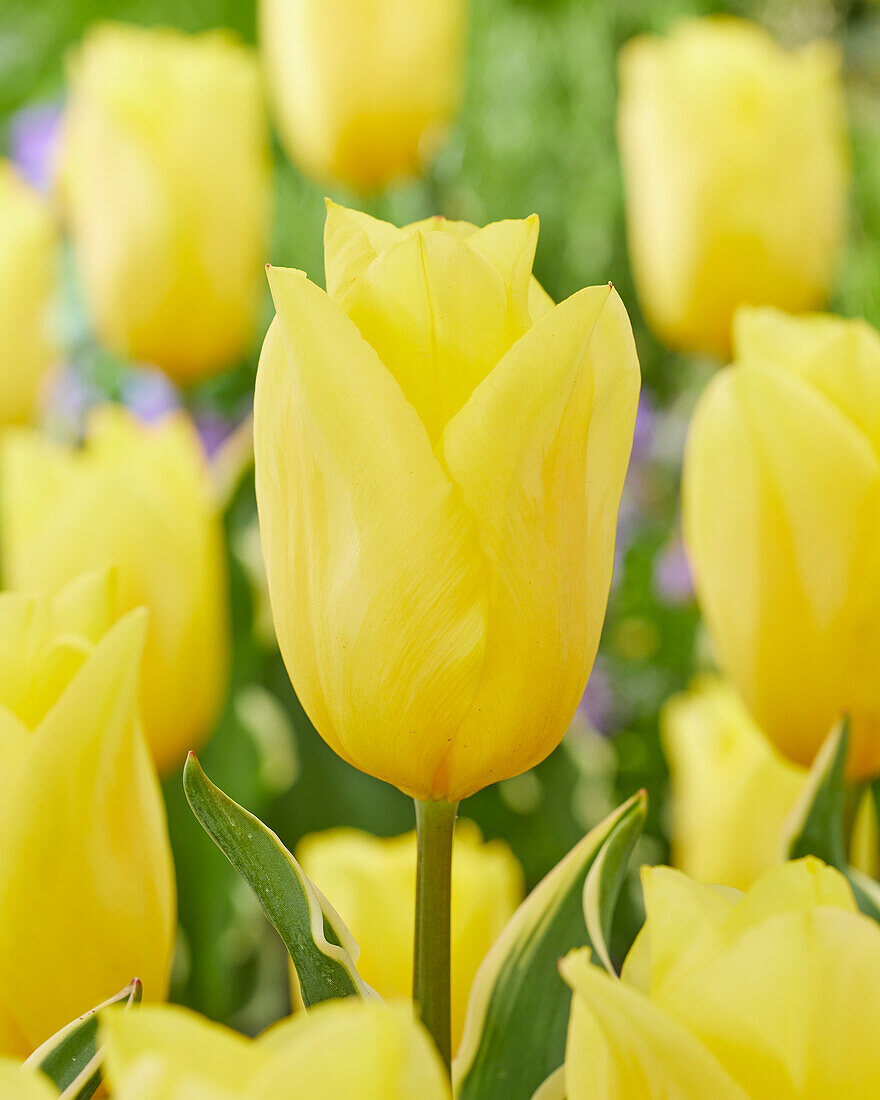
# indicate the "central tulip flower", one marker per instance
pixel 768 995
pixel 781 507
pixel 372 880
pixel 440 454
pixel 86 881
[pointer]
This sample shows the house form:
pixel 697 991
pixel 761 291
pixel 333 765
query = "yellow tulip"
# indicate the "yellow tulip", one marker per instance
pixel 363 93
pixel 340 1050
pixel 732 794
pixel 736 174
pixel 768 995
pixel 371 882
pixel 86 882
pixel 22 1083
pixel 782 525
pixel 439 459
pixel 137 498
pixel 28 257
pixel 165 184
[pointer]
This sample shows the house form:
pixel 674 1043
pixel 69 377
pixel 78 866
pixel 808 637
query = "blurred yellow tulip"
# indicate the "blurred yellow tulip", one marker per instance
pixel 28 258
pixel 766 995
pixel 165 184
pixel 138 498
pixel 781 504
pixel 22 1083
pixel 440 453
pixel 371 882
pixel 86 881
pixel 339 1051
pixel 736 171
pixel 363 93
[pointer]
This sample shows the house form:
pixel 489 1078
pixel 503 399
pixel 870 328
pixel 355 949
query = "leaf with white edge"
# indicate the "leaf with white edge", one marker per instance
pixel 517 1017
pixel 321 948
pixel 71 1059
pixel 817 823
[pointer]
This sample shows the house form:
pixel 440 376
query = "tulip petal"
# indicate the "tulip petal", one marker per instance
pixel 352 240
pixel 416 305
pixel 376 579
pixel 98 907
pixel 788 1013
pixel 788 579
pixel 622 1047
pixel 539 454
pixel 18 1083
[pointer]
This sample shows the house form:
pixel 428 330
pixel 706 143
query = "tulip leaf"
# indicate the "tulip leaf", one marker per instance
pixel 514 1036
pixel 817 827
pixel 321 948
pixel 71 1059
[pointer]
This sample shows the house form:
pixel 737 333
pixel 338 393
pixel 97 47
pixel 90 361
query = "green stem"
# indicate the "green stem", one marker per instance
pixel 435 824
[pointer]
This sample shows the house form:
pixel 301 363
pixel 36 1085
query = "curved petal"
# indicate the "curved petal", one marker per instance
pixel 788 579
pixel 21 1083
pixel 622 1047
pixel 375 576
pixel 352 240
pixel 539 454
pixel 85 870
pixel 439 316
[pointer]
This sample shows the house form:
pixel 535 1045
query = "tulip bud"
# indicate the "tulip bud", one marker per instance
pixel 165 183
pixel 338 1051
pixel 781 505
pixel 136 497
pixel 439 460
pixel 371 882
pixel 28 254
pixel 86 881
pixel 363 93
pixel 22 1083
pixel 762 995
pixel 736 175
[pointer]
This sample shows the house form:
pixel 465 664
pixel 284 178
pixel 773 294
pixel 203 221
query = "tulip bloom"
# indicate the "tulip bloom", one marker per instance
pixel 736 173
pixel 138 498
pixel 754 996
pixel 28 255
pixel 363 93
pixel 439 458
pixel 371 882
pixel 781 513
pixel 86 882
pixel 165 184
pixel 340 1050
pixel 22 1083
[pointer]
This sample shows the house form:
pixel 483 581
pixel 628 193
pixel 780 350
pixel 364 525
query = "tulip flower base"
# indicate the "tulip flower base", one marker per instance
pixel 435 825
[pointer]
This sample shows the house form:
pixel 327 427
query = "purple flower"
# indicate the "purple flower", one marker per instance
pixel 214 431
pixel 645 427
pixel 673 582
pixel 33 141
pixel 149 394
pixel 597 705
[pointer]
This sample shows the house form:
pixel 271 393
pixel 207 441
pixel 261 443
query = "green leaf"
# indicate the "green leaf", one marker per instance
pixel 321 948
pixel 818 822
pixel 71 1059
pixel 514 1036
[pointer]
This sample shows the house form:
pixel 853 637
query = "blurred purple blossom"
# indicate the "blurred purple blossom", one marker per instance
pixel 645 428
pixel 68 400
pixel 672 574
pixel 33 141
pixel 214 430
pixel 149 394
pixel 597 705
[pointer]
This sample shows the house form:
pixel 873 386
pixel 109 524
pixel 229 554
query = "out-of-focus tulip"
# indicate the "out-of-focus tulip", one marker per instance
pixel 363 93
pixel 736 174
pixel 19 1082
pixel 782 525
pixel 165 184
pixel 138 498
pixel 86 882
pixel 440 453
pixel 28 255
pixel 752 996
pixel 340 1050
pixel 371 882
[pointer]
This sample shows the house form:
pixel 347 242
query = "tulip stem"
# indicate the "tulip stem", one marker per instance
pixel 435 825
